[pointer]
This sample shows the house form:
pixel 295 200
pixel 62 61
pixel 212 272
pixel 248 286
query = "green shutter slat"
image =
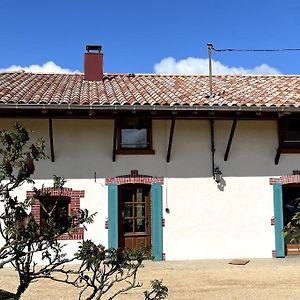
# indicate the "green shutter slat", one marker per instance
pixel 156 213
pixel 278 214
pixel 113 216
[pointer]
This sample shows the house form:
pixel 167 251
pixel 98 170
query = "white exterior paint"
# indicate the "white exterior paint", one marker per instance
pixel 204 221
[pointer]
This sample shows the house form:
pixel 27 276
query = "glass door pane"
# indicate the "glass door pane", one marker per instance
pixel 140 225
pixel 128 225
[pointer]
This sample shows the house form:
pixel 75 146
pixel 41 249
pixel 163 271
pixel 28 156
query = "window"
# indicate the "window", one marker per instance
pixel 134 136
pixel 291 201
pixel 59 207
pixel 68 200
pixel 134 205
pixel 289 135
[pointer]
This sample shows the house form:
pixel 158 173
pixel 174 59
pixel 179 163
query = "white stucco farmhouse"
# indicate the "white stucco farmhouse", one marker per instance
pixel 166 164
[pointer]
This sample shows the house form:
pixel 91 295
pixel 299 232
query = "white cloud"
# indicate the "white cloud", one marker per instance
pixel 192 65
pixel 48 67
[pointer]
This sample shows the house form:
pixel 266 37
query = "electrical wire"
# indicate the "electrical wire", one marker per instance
pixel 255 50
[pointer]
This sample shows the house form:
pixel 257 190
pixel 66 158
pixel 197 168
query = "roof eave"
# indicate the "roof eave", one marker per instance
pixel 150 107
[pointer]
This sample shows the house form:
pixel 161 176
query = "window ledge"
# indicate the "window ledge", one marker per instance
pixel 75 235
pixel 135 151
pixel 290 150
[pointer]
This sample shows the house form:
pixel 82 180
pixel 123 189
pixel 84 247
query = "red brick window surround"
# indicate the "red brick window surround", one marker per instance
pixel 134 177
pixel 286 179
pixel 64 193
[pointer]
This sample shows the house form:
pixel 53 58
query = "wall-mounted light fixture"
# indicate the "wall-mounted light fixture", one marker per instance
pixel 217 175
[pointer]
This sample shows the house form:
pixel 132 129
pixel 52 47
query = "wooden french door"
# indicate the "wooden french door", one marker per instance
pixel 134 216
pixel 291 205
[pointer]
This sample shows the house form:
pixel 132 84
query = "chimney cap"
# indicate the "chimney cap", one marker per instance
pixel 96 48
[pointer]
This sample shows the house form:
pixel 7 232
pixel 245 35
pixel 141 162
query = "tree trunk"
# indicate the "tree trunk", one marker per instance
pixel 21 289
pixel 90 297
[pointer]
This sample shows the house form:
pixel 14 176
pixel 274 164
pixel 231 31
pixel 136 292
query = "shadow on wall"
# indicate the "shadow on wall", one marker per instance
pixel 83 149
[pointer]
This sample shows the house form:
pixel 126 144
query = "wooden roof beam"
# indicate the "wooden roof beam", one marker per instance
pixel 232 131
pixel 171 139
pixel 52 154
pixel 114 141
pixel 277 157
pixel 281 135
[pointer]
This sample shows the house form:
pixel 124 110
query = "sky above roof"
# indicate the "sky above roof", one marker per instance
pixel 154 36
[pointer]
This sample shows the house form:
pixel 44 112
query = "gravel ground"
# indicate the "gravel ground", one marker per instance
pixel 187 280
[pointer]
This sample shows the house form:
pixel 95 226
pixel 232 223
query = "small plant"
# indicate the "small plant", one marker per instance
pixel 59 182
pixel 101 270
pixel 291 231
pixel 158 292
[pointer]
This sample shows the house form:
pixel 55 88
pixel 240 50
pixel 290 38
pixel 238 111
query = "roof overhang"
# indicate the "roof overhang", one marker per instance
pixel 155 111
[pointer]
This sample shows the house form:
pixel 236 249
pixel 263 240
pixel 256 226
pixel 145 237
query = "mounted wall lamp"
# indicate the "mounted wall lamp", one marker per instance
pixel 217 175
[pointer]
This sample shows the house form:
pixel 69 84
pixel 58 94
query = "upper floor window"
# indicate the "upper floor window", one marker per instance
pixel 289 135
pixel 134 136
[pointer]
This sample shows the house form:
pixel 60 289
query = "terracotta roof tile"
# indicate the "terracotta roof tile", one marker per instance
pixel 147 89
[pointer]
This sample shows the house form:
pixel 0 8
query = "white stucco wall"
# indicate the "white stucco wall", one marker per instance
pixel 204 221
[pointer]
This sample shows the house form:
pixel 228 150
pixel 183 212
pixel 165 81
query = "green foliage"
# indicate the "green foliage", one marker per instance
pixel 59 182
pixel 158 292
pixel 18 157
pixel 292 230
pixel 93 256
pixel 102 269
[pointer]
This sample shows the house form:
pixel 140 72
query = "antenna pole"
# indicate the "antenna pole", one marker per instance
pixel 209 49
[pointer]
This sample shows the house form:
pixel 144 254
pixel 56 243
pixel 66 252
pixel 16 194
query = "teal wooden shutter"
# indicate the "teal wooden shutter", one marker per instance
pixel 278 214
pixel 113 216
pixel 156 215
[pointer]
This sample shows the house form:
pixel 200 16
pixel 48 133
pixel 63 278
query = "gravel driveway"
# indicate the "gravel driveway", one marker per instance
pixel 202 279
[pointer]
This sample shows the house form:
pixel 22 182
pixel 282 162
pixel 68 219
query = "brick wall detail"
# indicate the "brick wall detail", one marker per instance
pixel 286 179
pixel 74 196
pixel 134 177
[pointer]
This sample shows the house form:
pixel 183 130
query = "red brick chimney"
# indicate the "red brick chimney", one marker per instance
pixel 93 63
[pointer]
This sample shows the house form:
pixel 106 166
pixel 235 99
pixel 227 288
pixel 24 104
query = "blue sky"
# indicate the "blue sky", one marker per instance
pixel 137 35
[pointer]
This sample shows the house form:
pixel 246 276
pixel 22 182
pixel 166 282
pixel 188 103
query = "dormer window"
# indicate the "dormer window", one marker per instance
pixel 134 136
